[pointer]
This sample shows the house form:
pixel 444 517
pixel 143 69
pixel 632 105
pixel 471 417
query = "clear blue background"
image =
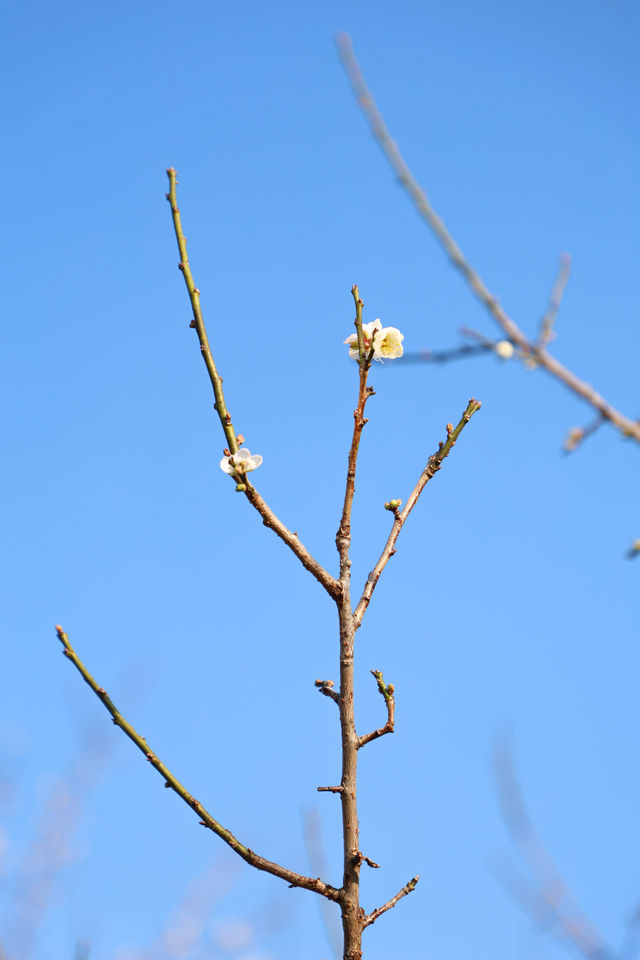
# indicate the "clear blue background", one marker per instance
pixel 509 605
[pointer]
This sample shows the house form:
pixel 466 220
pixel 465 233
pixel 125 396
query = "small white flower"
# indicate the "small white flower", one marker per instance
pixel 504 349
pixel 243 462
pixel 387 342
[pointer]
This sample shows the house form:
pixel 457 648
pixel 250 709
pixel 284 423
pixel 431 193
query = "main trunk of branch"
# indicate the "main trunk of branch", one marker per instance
pixel 350 893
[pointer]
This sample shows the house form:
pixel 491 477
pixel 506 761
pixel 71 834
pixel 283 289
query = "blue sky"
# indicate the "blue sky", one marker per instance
pixel 509 606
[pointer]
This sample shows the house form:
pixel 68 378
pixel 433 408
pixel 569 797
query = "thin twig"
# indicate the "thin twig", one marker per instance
pixel 627 426
pixel 555 300
pixel 359 421
pixel 433 465
pixel 387 691
pixel 293 879
pixel 198 320
pixel 269 518
pixel 408 888
pixel 577 435
pixel 325 687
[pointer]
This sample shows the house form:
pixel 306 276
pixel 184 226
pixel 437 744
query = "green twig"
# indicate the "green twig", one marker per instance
pixel 362 356
pixel 198 321
pixel 171 782
pixel 387 692
pixel 269 518
pixel 408 888
pixel 433 465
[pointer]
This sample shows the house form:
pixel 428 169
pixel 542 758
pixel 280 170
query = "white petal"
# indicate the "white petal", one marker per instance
pixel 388 344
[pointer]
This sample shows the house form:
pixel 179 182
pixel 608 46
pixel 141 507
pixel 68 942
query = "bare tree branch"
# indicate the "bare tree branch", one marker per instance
pixel 325 687
pixel 350 892
pixel 206 819
pixel 627 426
pixel 408 888
pixel 433 465
pixel 269 518
pixel 547 332
pixel 387 691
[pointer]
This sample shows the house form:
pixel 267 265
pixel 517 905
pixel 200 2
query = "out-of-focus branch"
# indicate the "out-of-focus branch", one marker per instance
pixel 433 465
pixel 446 356
pixel 269 518
pixel 577 435
pixel 318 862
pixel 260 863
pixel 553 890
pixel 50 849
pixel 547 332
pixel 537 351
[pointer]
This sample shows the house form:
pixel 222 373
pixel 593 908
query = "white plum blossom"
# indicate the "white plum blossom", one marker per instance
pixel 504 349
pixel 387 342
pixel 243 462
